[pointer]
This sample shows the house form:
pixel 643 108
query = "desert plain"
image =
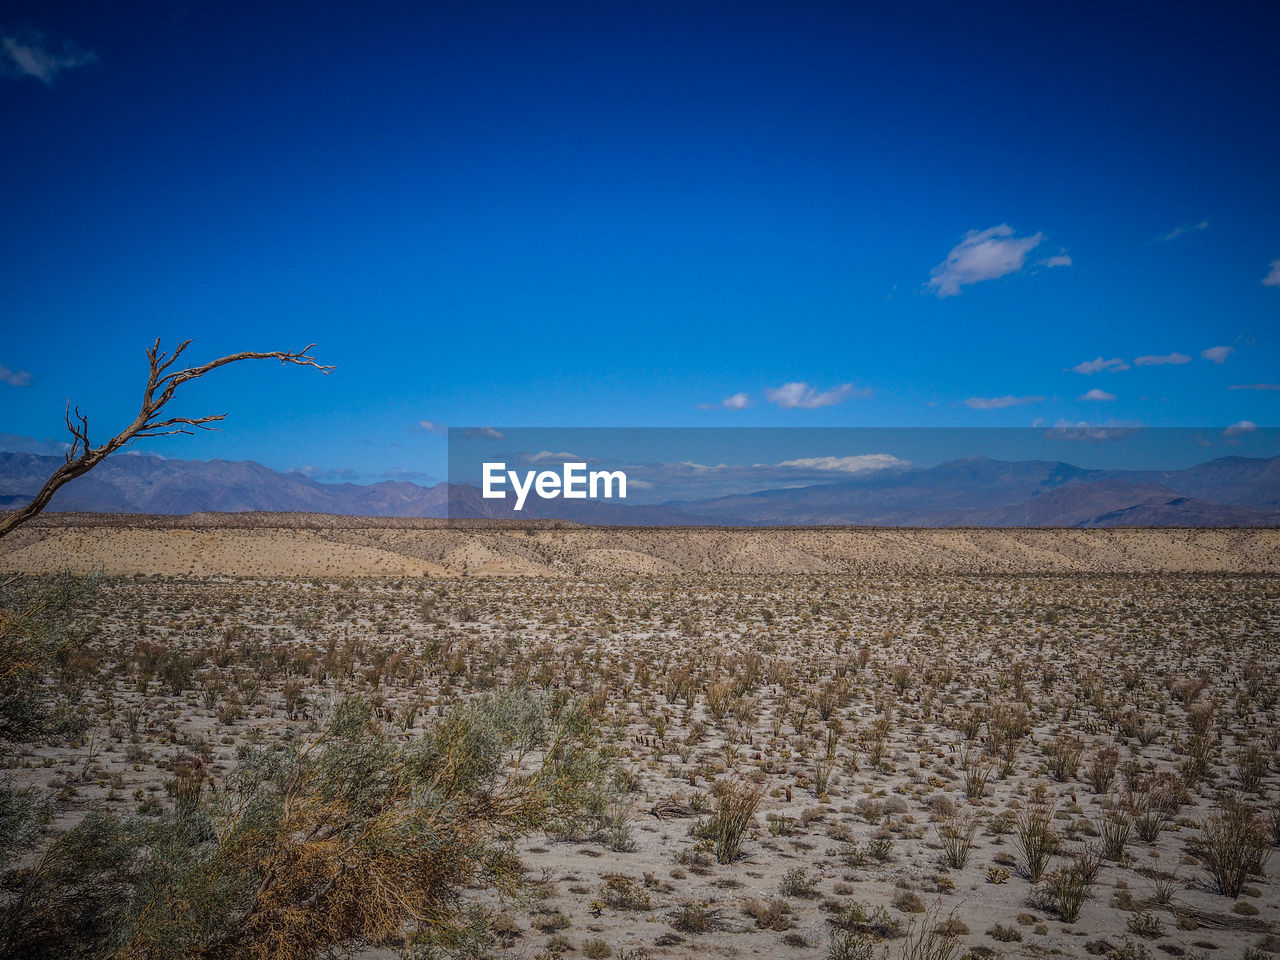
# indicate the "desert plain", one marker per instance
pixel 942 743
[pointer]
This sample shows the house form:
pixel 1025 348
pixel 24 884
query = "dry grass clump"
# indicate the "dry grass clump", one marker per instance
pixel 956 833
pixel 1037 841
pixel 1232 845
pixel 736 805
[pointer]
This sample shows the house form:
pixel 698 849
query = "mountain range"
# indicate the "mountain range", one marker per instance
pixel 973 491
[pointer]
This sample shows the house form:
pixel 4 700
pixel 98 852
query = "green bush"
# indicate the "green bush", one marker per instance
pixel 353 838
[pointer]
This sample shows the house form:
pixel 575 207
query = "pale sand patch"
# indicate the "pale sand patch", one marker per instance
pixel 315 545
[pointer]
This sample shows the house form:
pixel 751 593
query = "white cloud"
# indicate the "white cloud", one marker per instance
pixel 738 401
pixel 542 456
pixel 1240 428
pixel 1061 260
pixel 430 426
pixel 1114 365
pixel 1272 279
pixel 1096 394
pixel 998 403
pixel 1184 229
pixel 1160 359
pixel 800 395
pixel 1255 386
pixel 15 378
pixel 865 463
pixel 981 255
pixel 1217 354
pixel 32 55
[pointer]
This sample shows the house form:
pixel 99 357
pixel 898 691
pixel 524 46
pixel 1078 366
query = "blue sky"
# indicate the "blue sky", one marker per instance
pixel 637 214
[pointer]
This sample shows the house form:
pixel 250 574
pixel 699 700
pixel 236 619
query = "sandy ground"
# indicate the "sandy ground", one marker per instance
pixel 881 687
pixel 301 545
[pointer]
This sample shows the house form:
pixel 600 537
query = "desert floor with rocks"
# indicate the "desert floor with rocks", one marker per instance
pixel 1009 742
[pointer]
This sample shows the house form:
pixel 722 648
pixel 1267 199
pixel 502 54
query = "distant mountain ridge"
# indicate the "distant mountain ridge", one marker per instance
pixel 973 491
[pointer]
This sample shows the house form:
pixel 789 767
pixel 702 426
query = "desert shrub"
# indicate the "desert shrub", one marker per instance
pixel 851 945
pixel 694 918
pixel 773 914
pixel 68 902
pixel 1036 841
pixel 908 901
pixel 23 811
pixel 1101 771
pixel 177 671
pixel 876 922
pixel 1129 949
pixel 823 767
pixel 1062 755
pixel 797 883
pixel 355 837
pixel 1252 763
pixel 880 728
pixel 1146 925
pixel 1005 934
pixel 977 771
pixel 1114 830
pixel 614 827
pixel 1232 845
pixel 624 893
pixel 1069 888
pixel 735 808
pixel 1154 806
pixel 956 833
pixel 930 938
pixel 37 628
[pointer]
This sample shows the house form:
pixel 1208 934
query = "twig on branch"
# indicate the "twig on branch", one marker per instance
pixel 161 385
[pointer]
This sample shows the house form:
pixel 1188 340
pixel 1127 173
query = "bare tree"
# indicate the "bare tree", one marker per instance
pixel 83 456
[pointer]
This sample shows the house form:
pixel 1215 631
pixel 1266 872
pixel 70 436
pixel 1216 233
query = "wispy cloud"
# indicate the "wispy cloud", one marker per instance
pixel 1092 432
pixel 15 378
pixel 1060 260
pixel 548 456
pixel 1114 365
pixel 982 255
pixel 999 403
pixel 1097 395
pixel 1184 229
pixel 1160 359
pixel 20 443
pixel 1272 279
pixel 430 426
pixel 799 395
pixel 483 433
pixel 1240 428
pixel 34 55
pixel 1217 354
pixel 1255 386
pixel 410 476
pixel 866 463
pixel 329 474
pixel 738 401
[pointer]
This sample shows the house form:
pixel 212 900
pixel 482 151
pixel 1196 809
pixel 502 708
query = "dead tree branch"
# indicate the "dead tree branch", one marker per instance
pixel 161 386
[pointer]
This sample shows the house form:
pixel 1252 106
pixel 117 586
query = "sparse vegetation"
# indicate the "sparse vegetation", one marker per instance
pixel 720 759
